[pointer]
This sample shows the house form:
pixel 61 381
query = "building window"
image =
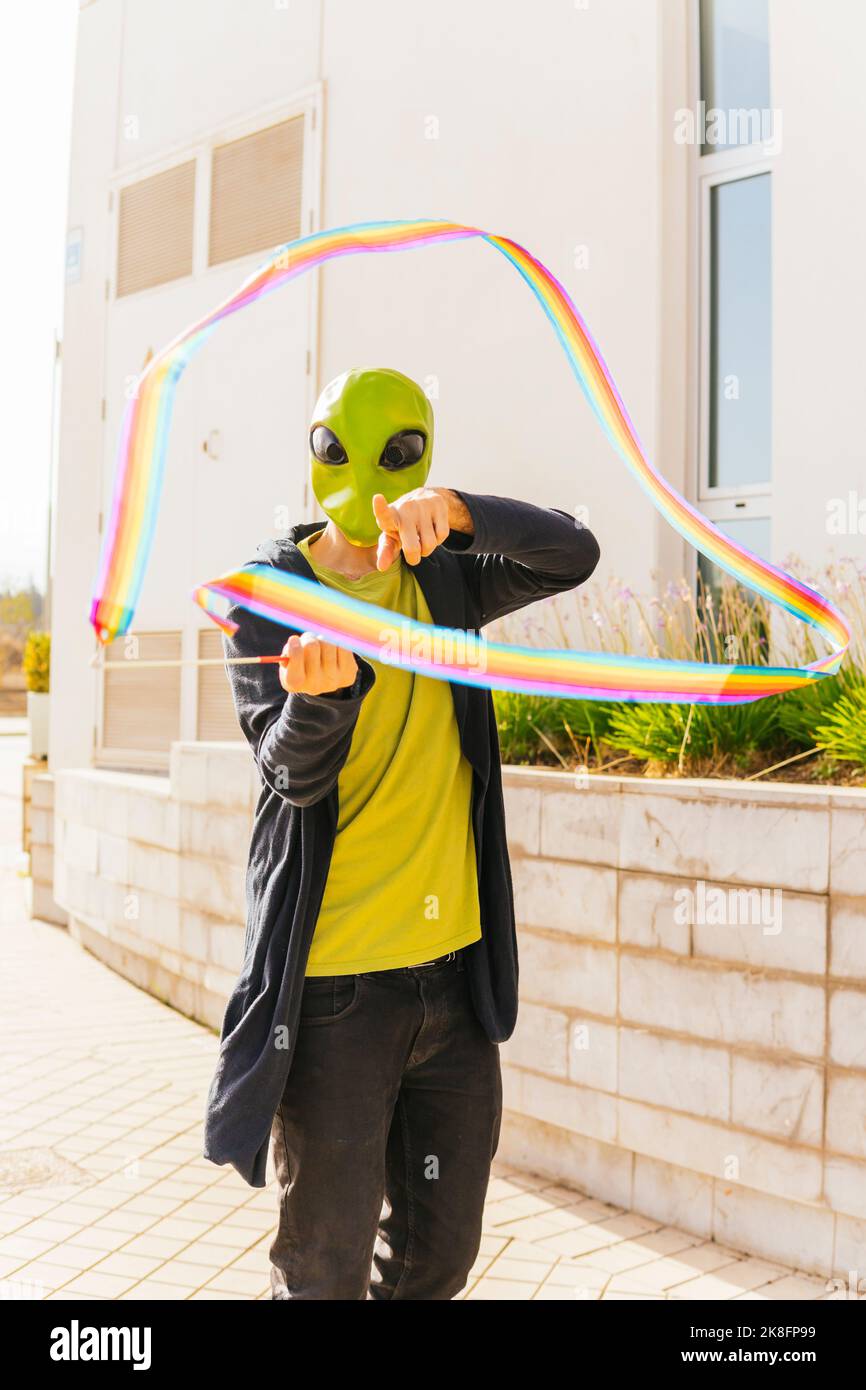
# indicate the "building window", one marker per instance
pixel 155 229
pixel 735 68
pixel 733 164
pixel 739 332
pixel 256 191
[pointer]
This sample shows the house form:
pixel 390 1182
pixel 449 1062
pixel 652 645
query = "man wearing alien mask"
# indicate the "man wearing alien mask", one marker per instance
pixel 380 960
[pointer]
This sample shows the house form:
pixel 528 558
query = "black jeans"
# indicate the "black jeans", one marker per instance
pixel 384 1137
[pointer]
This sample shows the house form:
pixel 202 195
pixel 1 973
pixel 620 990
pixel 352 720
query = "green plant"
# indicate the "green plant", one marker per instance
pixel 529 723
pixel 843 735
pixel 36 661
pixel 589 721
pixel 683 735
pixel 801 711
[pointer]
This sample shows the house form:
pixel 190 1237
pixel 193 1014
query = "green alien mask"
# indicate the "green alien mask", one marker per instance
pixel 372 431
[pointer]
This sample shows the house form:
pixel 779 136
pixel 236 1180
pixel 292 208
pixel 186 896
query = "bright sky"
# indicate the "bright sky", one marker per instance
pixel 36 72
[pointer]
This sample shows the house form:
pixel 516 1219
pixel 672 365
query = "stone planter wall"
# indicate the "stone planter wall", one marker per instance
pixel 710 1071
pixel 686 1047
pixel 37 801
pixel 151 871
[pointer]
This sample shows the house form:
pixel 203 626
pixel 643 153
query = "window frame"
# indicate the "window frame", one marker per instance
pixel 709 179
pixel 707 172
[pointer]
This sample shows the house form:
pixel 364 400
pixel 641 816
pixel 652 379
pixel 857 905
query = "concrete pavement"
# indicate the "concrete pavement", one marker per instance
pixel 104 1193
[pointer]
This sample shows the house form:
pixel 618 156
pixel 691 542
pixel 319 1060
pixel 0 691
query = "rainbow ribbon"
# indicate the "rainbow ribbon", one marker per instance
pixel 300 603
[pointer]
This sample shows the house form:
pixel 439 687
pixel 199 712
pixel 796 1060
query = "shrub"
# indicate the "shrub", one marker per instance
pixel 801 711
pixel 843 734
pixel 528 724
pixel 36 661
pixel 684 735
pixel 719 623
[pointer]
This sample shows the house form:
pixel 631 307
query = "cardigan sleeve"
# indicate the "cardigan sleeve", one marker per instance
pixel 519 553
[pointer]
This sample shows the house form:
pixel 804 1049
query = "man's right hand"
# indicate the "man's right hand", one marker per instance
pixel 309 666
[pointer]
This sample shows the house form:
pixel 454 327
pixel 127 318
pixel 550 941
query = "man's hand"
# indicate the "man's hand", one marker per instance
pixel 417 523
pixel 313 667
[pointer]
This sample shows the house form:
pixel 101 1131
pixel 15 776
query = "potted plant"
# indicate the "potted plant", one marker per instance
pixel 36 663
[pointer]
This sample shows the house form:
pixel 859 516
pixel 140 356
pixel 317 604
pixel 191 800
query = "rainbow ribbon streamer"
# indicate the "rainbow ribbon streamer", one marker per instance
pixel 378 633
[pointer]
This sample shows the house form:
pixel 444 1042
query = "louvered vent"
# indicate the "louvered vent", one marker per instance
pixel 155 234
pixel 256 191
pixel 216 712
pixel 141 705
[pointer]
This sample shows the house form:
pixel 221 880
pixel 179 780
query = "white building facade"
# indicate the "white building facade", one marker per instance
pixel 723 282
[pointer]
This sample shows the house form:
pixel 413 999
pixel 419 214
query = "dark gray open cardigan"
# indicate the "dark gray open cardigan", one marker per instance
pixel 517 554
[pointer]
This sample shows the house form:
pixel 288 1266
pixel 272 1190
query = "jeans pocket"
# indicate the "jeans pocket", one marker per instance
pixel 328 998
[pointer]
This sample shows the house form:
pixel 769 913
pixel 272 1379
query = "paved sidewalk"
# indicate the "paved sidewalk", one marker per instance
pixel 104 1194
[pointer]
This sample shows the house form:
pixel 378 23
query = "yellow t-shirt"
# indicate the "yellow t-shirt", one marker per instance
pixel 403 884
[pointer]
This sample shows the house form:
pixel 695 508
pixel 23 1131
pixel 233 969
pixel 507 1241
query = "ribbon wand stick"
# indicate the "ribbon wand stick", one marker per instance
pixel 134 663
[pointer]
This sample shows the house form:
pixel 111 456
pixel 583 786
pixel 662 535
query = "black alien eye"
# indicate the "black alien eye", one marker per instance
pixel 403 449
pixel 326 446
